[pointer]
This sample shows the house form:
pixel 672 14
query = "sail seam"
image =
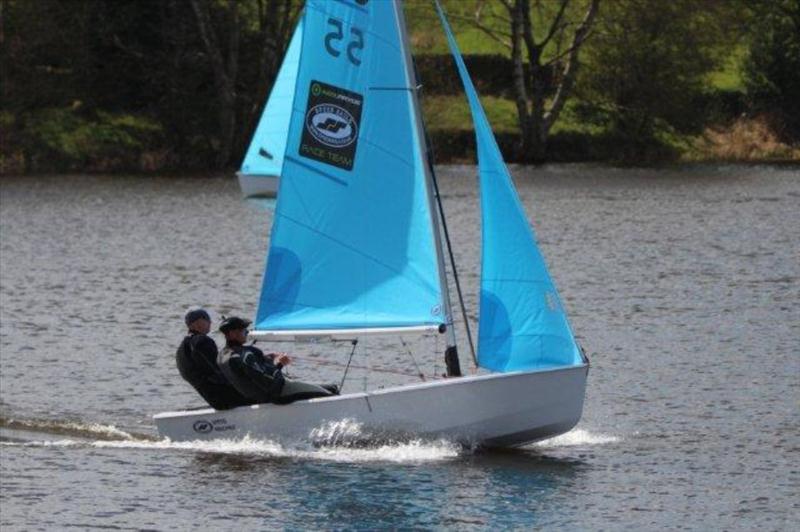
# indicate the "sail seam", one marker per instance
pixel 388 152
pixel 315 170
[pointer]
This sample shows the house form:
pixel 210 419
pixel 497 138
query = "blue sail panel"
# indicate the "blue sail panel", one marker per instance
pixel 352 243
pixel 265 154
pixel 522 323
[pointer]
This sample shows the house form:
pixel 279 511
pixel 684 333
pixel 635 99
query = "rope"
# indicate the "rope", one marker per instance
pixel 347 368
pixel 419 371
pixel 356 366
pixel 449 247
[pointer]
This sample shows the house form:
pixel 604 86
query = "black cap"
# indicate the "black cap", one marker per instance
pixel 196 314
pixel 233 323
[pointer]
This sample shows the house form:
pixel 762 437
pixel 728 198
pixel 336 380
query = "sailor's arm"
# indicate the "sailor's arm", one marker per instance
pixel 260 371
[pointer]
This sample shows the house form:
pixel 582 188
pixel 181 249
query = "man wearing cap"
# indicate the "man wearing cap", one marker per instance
pixel 257 376
pixel 197 363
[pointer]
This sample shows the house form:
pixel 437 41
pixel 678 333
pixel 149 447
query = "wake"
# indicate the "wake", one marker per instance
pixel 341 441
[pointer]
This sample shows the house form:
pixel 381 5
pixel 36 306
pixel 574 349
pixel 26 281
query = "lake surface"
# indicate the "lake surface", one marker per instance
pixel 683 285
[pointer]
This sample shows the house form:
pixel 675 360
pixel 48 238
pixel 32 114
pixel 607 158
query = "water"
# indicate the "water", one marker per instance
pixel 683 284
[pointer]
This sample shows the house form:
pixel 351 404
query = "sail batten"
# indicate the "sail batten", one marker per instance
pixel 522 323
pixel 352 243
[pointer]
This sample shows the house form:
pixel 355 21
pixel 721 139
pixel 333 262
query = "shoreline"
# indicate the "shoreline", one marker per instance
pixel 231 173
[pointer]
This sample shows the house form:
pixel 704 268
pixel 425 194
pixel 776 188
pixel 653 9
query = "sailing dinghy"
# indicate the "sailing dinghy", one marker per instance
pixel 262 163
pixel 356 250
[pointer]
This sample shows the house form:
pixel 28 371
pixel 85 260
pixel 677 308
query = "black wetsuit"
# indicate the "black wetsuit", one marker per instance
pixel 259 378
pixel 251 373
pixel 197 363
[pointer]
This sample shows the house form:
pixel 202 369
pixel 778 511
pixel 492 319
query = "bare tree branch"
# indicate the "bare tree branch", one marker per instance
pixel 207 34
pixel 561 55
pixel 233 40
pixel 556 23
pixel 534 50
pixel 496 35
pixel 571 68
pixel 224 74
pixel 520 91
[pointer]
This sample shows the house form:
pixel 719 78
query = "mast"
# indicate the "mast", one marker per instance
pixel 451 352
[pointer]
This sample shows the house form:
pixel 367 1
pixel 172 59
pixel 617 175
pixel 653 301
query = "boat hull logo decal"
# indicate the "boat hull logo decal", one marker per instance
pixel 332 123
pixel 203 426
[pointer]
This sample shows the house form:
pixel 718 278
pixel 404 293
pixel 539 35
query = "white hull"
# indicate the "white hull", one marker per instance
pixel 258 185
pixel 497 410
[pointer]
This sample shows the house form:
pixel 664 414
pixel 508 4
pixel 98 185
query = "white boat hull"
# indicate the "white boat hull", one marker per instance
pixel 265 186
pixel 497 410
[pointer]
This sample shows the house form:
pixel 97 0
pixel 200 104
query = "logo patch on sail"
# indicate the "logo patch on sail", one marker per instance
pixel 332 121
pixel 331 125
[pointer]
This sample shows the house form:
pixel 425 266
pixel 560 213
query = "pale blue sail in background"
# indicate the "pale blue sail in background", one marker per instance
pixel 522 322
pixel 265 154
pixel 352 243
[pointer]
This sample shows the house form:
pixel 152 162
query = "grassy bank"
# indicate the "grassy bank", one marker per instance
pixel 732 139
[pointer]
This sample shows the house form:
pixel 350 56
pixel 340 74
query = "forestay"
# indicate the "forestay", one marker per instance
pixel 522 322
pixel 352 243
pixel 265 154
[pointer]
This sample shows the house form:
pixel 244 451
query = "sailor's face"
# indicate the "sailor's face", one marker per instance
pixel 239 335
pixel 201 325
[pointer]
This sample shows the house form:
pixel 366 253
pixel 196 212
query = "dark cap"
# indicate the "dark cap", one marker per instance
pixel 233 323
pixel 196 314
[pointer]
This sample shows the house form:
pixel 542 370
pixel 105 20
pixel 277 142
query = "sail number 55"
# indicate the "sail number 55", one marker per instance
pixel 332 38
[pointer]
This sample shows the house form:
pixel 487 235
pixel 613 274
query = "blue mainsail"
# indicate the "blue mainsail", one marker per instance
pixel 265 154
pixel 352 243
pixel 522 323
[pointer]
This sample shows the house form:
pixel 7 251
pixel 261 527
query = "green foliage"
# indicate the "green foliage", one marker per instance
pixel 426 35
pixel 653 73
pixel 59 138
pixel 491 74
pixel 772 68
pixel 729 77
pixel 6 120
pixel 647 67
pixel 452 113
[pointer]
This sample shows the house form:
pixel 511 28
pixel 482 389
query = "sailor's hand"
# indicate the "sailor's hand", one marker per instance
pixel 282 359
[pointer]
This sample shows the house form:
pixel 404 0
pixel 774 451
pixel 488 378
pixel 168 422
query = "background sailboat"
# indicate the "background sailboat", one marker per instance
pixel 263 161
pixel 355 249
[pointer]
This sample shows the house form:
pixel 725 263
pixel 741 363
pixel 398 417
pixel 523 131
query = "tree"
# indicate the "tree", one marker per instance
pixel 648 65
pixel 545 39
pixel 93 79
pixel 772 69
pixel 224 64
pixel 222 37
pixel 276 20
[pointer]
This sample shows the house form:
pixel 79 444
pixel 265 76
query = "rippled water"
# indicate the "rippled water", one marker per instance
pixel 683 284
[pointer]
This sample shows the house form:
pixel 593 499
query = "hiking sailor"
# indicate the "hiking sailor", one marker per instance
pixel 197 362
pixel 260 377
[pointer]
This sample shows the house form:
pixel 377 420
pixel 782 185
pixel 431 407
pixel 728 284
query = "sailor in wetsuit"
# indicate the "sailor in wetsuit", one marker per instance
pixel 260 377
pixel 197 363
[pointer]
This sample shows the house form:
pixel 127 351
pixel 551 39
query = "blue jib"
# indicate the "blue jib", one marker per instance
pixel 522 322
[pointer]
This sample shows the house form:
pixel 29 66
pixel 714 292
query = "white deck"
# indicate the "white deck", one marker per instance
pixel 497 410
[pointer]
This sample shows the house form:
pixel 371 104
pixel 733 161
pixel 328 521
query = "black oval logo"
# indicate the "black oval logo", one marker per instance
pixel 331 125
pixel 202 426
